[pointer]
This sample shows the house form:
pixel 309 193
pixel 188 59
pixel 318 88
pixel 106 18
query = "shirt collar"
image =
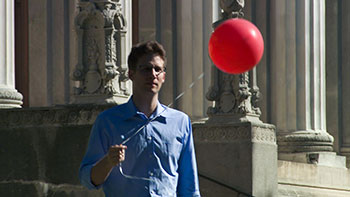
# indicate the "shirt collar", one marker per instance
pixel 131 110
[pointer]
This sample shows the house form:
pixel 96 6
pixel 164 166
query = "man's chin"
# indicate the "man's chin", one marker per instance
pixel 153 90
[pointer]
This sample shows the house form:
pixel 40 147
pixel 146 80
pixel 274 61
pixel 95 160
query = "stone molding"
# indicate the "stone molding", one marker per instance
pixel 304 141
pixel 55 116
pixel 10 94
pixel 10 98
pixel 258 133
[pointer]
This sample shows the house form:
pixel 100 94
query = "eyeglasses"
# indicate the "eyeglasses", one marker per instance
pixel 148 69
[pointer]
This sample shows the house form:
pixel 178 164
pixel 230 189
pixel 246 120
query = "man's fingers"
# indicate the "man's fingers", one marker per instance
pixel 117 153
pixel 119 147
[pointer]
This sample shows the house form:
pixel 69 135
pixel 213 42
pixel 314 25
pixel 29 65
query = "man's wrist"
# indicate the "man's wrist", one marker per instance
pixel 109 162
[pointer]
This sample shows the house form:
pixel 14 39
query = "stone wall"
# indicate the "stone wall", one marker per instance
pixel 41 150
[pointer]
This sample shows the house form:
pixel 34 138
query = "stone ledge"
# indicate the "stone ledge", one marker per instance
pixel 232 132
pixel 38 188
pixel 312 176
pixel 287 190
pixel 330 159
pixel 51 116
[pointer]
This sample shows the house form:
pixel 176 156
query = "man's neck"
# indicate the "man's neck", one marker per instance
pixel 146 104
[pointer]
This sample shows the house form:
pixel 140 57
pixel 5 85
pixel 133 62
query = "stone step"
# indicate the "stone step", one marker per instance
pixel 42 189
pixel 330 159
pixel 302 179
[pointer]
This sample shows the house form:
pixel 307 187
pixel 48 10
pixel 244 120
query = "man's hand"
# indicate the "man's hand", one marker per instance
pixel 116 154
pixel 100 172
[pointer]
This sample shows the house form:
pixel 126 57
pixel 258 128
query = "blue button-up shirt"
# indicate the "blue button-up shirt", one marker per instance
pixel 162 151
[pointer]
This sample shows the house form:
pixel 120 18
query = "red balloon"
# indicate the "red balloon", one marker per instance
pixel 236 46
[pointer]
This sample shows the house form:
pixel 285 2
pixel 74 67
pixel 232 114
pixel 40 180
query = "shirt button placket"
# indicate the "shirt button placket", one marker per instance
pixel 149 139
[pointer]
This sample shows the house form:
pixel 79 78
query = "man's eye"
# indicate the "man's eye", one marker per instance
pixel 146 69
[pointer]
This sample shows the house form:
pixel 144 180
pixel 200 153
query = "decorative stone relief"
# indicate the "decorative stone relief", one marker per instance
pixel 232 8
pixel 232 133
pixel 57 116
pixel 101 71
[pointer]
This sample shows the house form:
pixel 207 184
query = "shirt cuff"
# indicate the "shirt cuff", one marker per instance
pixel 85 178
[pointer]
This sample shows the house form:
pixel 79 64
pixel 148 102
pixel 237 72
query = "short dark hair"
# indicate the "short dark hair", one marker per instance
pixel 145 48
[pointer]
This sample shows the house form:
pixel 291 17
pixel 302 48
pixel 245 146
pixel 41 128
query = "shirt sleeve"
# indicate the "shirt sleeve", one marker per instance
pixel 188 185
pixel 96 150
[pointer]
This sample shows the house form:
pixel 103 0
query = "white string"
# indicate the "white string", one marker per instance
pixel 125 141
pixel 133 177
pixel 143 126
pixel 189 87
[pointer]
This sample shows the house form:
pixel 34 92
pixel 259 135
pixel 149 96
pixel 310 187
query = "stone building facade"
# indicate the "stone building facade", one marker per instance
pixel 68 59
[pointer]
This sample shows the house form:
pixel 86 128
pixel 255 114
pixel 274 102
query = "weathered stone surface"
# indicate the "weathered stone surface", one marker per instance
pixel 42 149
pixel 58 116
pixel 43 153
pixel 300 179
pixel 207 188
pixel 330 159
pixel 237 155
pixel 41 189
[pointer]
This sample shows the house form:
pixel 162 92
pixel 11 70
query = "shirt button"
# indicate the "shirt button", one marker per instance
pixel 150 173
pixel 149 138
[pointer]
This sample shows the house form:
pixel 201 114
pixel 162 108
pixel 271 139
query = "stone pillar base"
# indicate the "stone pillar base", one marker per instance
pixel 345 151
pixel 10 98
pixel 242 156
pixel 305 141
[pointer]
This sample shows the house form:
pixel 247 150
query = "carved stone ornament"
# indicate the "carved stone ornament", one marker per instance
pixel 232 8
pixel 101 71
pixel 260 133
pixel 51 116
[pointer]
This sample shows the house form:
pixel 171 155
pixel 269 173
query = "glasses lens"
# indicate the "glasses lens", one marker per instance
pixel 144 69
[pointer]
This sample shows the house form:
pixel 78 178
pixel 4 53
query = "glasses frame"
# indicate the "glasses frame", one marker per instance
pixel 148 69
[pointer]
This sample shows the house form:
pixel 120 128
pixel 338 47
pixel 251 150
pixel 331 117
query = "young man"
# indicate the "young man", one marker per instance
pixel 142 148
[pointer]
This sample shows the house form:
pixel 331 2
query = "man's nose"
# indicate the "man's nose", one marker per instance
pixel 154 73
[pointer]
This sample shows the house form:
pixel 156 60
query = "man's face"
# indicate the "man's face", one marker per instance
pixel 149 74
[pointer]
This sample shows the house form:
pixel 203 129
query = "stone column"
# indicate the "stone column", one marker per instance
pixel 299 91
pixel 101 72
pixel 234 146
pixel 9 97
pixel 337 69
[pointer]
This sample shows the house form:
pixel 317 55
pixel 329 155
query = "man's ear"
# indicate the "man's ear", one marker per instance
pixel 131 74
pixel 164 76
